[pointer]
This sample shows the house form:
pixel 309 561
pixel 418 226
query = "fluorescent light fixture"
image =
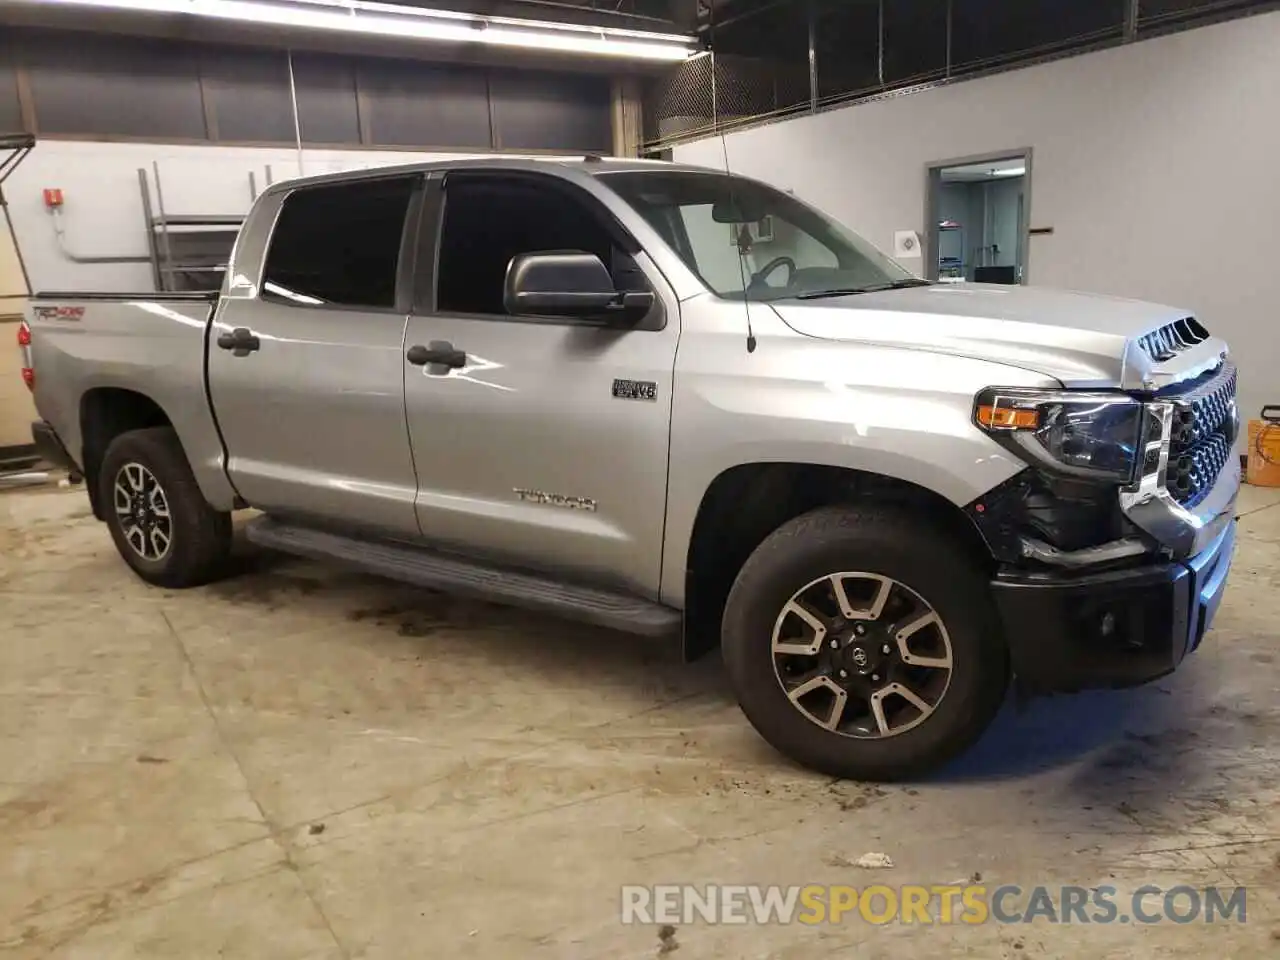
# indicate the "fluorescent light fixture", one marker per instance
pixel 1008 171
pixel 413 23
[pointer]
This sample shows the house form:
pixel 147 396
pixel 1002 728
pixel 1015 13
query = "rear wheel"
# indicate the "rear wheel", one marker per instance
pixel 862 643
pixel 162 525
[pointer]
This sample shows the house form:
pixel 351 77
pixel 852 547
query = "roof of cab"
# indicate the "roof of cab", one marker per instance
pixel 593 165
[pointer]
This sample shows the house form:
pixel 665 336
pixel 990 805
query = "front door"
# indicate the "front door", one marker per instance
pixel 547 447
pixel 306 371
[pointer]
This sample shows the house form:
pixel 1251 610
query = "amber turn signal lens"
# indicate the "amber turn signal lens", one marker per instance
pixel 1008 418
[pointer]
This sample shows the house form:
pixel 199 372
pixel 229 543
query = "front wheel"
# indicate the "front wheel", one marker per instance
pixel 162 525
pixel 861 642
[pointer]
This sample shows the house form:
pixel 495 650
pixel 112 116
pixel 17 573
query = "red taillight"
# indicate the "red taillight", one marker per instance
pixel 24 344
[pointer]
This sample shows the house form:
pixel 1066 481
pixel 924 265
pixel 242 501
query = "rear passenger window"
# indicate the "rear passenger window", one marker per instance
pixel 339 244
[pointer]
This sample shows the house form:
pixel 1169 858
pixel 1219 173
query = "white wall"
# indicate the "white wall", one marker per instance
pixel 16 409
pixel 103 214
pixel 1154 163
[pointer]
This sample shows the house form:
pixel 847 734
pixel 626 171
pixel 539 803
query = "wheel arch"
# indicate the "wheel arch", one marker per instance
pixel 745 503
pixel 105 413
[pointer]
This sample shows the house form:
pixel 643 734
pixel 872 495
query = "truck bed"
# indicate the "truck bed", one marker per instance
pixel 126 297
pixel 152 345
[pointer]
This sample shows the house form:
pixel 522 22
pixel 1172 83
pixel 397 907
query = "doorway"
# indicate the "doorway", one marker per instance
pixel 976 219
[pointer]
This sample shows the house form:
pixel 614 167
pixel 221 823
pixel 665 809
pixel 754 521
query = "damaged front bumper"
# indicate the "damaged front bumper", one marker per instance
pixel 1074 630
pixel 1125 612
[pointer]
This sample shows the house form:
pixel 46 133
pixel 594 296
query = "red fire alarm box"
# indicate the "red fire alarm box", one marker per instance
pixel 52 198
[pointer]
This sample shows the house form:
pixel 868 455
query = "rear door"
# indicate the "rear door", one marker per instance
pixel 548 447
pixel 306 367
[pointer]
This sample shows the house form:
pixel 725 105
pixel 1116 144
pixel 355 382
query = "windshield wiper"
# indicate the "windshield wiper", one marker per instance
pixel 874 288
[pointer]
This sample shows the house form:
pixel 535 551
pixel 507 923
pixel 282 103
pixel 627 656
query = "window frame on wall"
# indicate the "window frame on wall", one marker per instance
pixel 933 183
pixel 398 95
pixel 516 98
pixel 103 82
pixel 314 74
pixel 11 84
pixel 570 102
pixel 234 89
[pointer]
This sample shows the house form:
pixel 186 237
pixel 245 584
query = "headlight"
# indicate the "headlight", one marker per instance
pixel 1093 436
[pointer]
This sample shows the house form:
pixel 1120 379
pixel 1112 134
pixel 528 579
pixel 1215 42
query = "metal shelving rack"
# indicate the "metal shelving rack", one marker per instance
pixel 187 251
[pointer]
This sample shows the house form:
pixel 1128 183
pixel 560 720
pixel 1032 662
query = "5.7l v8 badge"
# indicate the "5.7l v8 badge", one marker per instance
pixel 635 390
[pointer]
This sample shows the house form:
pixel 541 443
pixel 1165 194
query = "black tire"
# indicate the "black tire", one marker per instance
pixel 880 540
pixel 199 536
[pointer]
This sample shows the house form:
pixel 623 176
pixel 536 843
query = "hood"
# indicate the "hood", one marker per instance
pixel 1082 340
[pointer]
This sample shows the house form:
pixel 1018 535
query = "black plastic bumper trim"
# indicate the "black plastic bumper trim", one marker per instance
pixel 1116 629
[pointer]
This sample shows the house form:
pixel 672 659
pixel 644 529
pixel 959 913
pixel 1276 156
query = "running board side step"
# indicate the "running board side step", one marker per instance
pixel 449 574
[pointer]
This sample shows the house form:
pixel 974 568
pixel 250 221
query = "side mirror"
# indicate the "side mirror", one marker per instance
pixel 569 283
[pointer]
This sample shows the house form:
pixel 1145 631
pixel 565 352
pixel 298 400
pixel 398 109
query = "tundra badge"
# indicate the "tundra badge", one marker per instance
pixel 556 500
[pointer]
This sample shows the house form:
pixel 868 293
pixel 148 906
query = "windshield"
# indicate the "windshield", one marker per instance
pixel 750 241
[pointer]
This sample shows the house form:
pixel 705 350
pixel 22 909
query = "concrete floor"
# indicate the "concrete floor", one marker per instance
pixel 302 763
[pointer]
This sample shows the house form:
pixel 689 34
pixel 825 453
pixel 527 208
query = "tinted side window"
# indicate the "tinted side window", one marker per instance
pixel 339 244
pixel 490 220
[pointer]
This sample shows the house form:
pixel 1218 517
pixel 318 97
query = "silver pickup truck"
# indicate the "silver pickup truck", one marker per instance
pixel 667 400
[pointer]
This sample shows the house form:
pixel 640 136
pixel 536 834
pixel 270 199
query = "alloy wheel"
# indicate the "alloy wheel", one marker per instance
pixel 143 511
pixel 861 655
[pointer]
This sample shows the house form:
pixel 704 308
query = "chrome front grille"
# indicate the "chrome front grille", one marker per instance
pixel 1173 338
pixel 1202 433
pixel 1192 475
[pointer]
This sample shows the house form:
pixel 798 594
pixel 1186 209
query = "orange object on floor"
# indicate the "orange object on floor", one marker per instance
pixel 1263 467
